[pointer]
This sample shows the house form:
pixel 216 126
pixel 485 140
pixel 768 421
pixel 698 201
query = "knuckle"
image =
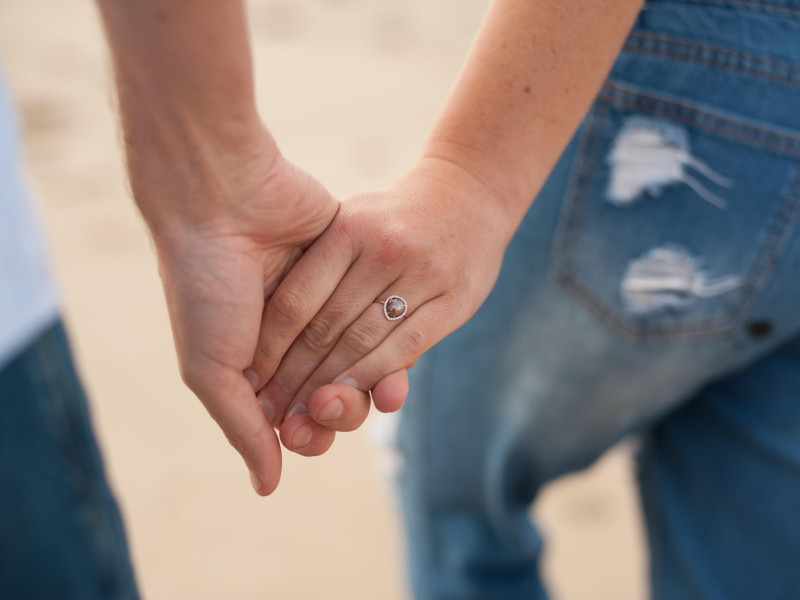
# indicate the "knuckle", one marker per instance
pixel 187 375
pixel 237 443
pixel 288 305
pixel 344 225
pixel 195 378
pixel 414 341
pixel 263 359
pixel 320 334
pixel 362 338
pixel 430 269
pixel 397 245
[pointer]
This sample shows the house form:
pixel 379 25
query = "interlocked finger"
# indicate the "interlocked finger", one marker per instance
pixel 388 396
pixel 427 326
pixel 299 297
pixel 339 407
pixel 353 302
pixel 360 339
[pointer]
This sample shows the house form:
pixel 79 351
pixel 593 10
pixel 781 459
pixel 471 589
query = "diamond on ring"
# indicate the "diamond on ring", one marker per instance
pixel 394 307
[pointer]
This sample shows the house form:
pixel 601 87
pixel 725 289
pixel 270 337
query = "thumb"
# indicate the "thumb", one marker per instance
pixel 230 400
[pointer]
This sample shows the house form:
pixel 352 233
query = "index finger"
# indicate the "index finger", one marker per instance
pixel 300 295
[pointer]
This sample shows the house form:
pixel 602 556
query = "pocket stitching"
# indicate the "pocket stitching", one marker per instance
pixel 768 258
pixel 773 69
pixel 565 241
pixel 636 98
pixel 573 213
pixel 765 7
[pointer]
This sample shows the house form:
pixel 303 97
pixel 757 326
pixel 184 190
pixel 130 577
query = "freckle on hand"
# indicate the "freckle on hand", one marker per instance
pixel 527 89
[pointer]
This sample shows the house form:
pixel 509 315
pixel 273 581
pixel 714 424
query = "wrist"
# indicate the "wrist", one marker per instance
pixel 470 193
pixel 184 177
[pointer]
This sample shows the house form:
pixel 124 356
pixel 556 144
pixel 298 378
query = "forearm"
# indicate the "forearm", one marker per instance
pixel 186 94
pixel 531 76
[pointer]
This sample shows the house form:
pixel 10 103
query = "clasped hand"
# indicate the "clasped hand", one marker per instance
pixel 273 307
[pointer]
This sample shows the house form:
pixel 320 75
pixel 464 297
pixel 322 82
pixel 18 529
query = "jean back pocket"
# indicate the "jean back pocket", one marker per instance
pixel 685 189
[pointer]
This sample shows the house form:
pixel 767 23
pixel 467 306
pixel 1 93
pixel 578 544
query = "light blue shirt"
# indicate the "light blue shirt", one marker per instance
pixel 28 298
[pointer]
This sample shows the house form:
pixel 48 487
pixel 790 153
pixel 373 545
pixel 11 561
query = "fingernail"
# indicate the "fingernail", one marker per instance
pixel 255 481
pixel 331 411
pixel 268 408
pixel 297 409
pixel 252 377
pixel 348 381
pixel 302 437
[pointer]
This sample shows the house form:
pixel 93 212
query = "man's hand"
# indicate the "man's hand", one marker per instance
pixel 219 272
pixel 216 276
pixel 228 214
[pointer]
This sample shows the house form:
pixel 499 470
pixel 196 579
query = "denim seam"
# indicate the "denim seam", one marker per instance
pixel 784 224
pixel 725 126
pixel 656 44
pixel 754 5
pixel 565 242
pixel 572 219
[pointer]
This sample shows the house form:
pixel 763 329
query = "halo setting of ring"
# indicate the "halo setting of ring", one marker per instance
pixel 395 307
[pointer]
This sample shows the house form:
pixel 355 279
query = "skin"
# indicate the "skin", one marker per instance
pixel 228 214
pixel 253 305
pixel 437 236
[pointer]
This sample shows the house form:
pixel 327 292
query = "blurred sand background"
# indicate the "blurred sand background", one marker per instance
pixel 349 88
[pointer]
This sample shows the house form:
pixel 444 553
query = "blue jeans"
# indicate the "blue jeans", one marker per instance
pixel 653 288
pixel 61 535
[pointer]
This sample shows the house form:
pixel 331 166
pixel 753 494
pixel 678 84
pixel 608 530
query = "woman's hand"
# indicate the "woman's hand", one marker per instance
pixel 435 239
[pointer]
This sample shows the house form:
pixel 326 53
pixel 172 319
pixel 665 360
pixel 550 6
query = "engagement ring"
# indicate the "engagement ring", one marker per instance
pixel 394 307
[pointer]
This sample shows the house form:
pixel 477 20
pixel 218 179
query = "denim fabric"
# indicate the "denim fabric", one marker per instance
pixel 653 288
pixel 61 535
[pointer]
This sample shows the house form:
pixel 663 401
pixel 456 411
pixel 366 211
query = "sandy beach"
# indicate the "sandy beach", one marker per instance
pixel 349 89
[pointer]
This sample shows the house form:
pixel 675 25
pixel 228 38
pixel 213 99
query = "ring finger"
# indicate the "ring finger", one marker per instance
pixel 388 312
pixel 349 302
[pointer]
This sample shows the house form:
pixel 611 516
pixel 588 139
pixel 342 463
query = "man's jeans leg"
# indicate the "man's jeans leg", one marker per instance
pixel 61 535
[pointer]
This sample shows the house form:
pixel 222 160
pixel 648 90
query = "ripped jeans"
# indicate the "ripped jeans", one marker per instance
pixel 653 289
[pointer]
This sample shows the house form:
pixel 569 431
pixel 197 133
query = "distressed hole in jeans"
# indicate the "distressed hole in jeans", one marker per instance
pixel 669 278
pixel 650 154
